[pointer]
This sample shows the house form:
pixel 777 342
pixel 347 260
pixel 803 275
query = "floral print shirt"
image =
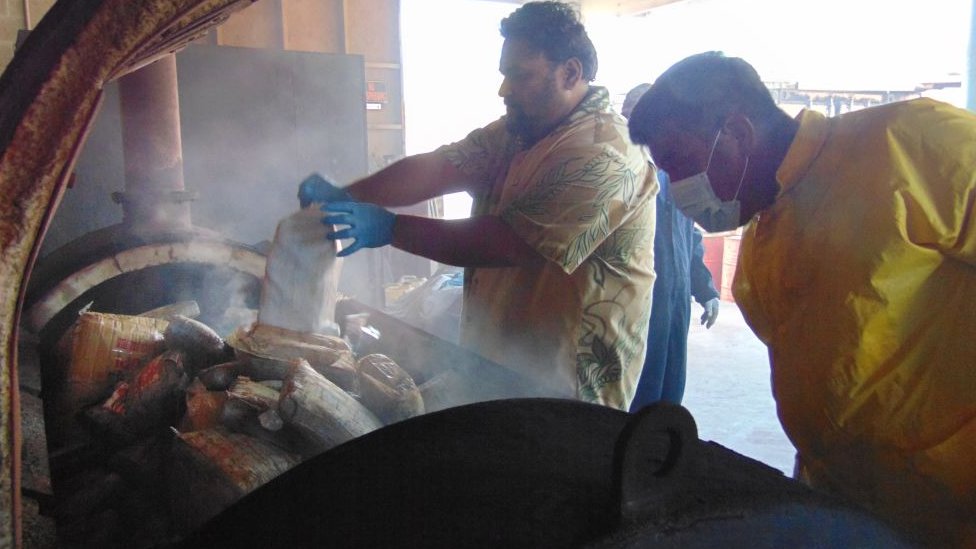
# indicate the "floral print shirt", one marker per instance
pixel 583 197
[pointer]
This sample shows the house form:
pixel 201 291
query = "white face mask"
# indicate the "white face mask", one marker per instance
pixel 696 199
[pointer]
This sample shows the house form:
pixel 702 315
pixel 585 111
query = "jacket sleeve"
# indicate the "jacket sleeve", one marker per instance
pixel 702 286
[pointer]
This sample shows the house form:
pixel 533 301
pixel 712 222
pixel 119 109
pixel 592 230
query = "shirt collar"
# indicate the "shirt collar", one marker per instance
pixel 809 139
pixel 597 99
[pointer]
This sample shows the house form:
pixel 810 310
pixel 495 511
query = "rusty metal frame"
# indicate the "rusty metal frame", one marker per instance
pixel 49 94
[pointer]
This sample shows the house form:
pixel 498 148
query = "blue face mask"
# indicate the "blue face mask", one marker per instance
pixel 696 199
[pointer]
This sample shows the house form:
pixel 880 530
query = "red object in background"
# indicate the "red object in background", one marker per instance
pixel 730 257
pixel 714 249
pixel 721 255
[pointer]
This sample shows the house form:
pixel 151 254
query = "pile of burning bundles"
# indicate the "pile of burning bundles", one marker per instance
pixel 187 422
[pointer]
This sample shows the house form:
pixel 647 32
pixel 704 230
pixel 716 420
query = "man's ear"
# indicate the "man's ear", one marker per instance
pixel 740 127
pixel 572 72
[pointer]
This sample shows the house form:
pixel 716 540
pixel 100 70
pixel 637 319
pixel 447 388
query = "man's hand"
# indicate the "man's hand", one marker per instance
pixel 370 226
pixel 316 188
pixel 711 312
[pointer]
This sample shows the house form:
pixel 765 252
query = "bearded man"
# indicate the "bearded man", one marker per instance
pixel 559 248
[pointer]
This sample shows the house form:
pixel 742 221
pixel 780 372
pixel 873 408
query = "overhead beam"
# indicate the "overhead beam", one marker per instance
pixel 612 7
pixel 621 7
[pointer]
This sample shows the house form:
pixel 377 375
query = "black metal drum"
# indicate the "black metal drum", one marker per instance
pixel 538 473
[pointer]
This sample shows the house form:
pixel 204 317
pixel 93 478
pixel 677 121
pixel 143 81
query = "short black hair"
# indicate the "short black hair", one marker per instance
pixel 699 93
pixel 554 28
pixel 634 95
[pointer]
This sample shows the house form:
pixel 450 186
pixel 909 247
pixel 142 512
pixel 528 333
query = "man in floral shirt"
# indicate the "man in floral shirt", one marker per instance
pixel 559 249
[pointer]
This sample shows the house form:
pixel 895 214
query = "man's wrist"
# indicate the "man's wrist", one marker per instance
pixel 395 231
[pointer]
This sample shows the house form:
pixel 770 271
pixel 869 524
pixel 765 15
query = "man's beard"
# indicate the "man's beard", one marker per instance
pixel 518 124
pixel 527 128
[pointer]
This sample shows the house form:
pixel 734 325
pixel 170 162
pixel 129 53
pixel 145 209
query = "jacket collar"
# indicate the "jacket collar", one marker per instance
pixel 806 146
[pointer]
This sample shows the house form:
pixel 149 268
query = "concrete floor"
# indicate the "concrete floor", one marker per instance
pixel 728 391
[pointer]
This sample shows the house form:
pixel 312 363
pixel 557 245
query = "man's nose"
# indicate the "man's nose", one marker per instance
pixel 504 89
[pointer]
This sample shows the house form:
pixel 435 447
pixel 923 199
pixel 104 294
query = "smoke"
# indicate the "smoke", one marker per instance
pixel 256 122
pixel 228 300
pixel 253 123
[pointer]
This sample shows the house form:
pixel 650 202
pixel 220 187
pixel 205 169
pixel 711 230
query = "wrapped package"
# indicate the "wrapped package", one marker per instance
pixel 322 412
pixel 101 349
pixel 201 346
pixel 387 390
pixel 211 469
pixel 256 395
pixel 219 376
pixel 298 300
pixel 150 398
pixel 266 352
pixel 301 278
pixel 203 408
pixel 252 409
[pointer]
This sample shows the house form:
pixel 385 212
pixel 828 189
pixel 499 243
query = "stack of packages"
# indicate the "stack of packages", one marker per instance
pixel 243 410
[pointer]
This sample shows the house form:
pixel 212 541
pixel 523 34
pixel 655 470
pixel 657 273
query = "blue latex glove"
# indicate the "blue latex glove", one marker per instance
pixel 316 188
pixel 370 226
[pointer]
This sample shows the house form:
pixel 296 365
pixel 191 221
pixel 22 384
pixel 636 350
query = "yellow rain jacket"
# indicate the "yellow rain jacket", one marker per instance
pixel 861 281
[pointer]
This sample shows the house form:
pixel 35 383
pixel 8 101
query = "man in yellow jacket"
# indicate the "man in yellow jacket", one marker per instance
pixel 857 270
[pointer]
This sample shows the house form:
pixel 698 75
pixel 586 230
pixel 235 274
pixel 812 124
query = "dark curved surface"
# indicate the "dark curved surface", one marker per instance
pixel 511 473
pixel 537 473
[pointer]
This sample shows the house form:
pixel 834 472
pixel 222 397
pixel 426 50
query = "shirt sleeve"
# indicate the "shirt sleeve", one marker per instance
pixel 575 198
pixel 479 153
pixel 702 286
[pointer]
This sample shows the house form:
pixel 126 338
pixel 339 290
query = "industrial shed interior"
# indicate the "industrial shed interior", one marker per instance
pixel 150 150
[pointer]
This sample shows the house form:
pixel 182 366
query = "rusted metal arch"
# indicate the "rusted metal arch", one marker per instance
pixel 49 95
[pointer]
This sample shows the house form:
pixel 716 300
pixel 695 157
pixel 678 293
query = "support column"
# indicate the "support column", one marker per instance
pixel 971 70
pixel 155 198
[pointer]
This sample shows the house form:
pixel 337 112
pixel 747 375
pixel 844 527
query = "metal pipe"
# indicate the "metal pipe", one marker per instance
pixel 155 198
pixel 27 17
